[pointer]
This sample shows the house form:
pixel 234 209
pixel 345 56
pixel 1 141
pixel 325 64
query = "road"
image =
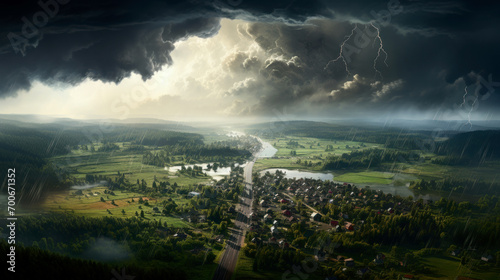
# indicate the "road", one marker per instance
pixel 227 263
pixel 303 203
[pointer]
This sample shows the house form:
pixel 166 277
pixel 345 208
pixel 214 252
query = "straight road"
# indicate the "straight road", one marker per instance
pixel 227 263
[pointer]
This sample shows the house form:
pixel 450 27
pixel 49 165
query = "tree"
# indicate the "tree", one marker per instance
pixel 142 213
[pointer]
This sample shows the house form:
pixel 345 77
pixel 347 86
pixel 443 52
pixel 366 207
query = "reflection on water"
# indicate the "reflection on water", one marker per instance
pixel 290 174
pixel 217 175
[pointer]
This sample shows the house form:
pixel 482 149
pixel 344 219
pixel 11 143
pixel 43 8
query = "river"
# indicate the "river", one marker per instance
pixel 267 150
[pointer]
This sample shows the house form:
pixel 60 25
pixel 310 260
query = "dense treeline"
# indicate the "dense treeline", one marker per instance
pixel 59 266
pixel 470 147
pixel 221 151
pixel 469 186
pixel 393 137
pixel 113 239
pixel 152 137
pixel 367 158
pixel 26 150
pixel 28 147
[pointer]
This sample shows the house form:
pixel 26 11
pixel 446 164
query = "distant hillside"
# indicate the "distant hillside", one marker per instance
pixel 28 146
pixel 472 147
pixel 391 137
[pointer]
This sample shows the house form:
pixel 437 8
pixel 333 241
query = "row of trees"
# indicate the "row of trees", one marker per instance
pixel 470 186
pixel 368 158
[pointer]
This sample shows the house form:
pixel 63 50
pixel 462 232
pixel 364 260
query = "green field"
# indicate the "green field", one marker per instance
pixel 92 206
pixel 315 148
pixel 308 149
pixel 244 270
pixel 367 177
pixel 80 163
pixel 450 267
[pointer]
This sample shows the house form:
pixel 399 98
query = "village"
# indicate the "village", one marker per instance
pixel 320 217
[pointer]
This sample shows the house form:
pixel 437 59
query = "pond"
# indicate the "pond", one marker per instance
pixel 217 175
pixel 290 174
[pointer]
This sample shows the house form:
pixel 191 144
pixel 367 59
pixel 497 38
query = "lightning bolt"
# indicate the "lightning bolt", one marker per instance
pixel 380 49
pixel 465 94
pixel 341 56
pixel 469 121
pixel 470 111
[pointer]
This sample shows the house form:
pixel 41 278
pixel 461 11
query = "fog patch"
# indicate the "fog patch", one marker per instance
pixel 106 249
pixel 87 186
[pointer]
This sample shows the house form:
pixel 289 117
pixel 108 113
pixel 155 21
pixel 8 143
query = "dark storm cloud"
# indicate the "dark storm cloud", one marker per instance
pixel 432 46
pixel 68 41
pixel 434 50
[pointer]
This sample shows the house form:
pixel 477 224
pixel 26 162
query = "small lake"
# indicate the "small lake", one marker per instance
pixel 217 175
pixel 290 174
pixel 267 151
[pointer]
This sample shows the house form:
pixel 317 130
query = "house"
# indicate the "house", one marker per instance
pixel 342 215
pixel 408 277
pixel 263 203
pixel 219 238
pixel 379 259
pixel 487 258
pixel 291 219
pixel 284 244
pixel 455 252
pixel 349 262
pixel 274 230
pixel 361 272
pixel 256 240
pixel 275 222
pixel 202 218
pixel 193 194
pixel 284 201
pixel 180 235
pixel 254 227
pixel 316 216
pixel 390 210
pixel 334 223
pixel 349 226
pixel 267 217
pixel 287 213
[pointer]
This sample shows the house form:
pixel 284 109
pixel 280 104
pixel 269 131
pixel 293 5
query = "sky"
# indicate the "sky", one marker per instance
pixel 247 59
